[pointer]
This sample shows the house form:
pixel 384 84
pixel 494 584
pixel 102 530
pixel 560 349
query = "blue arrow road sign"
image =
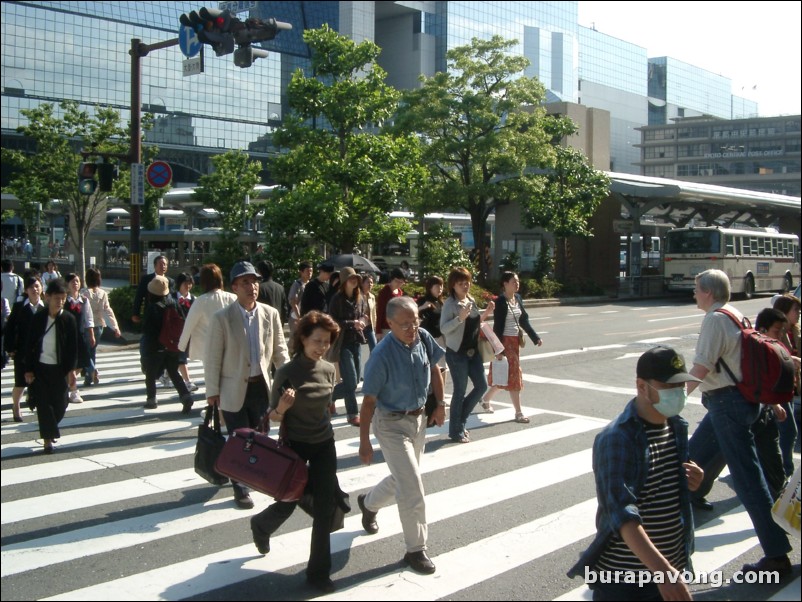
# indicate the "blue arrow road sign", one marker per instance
pixel 188 41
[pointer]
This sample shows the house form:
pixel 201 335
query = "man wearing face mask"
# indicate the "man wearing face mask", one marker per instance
pixel 643 478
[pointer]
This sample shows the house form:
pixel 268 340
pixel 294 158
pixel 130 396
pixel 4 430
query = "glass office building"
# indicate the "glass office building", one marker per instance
pixel 79 51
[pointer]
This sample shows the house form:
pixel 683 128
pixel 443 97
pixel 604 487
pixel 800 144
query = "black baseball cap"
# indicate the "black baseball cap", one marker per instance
pixel 664 365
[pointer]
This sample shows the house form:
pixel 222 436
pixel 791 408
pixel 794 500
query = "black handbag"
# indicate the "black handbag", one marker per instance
pixel 342 506
pixel 210 444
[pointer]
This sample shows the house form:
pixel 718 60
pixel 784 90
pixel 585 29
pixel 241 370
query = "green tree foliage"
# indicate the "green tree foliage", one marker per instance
pixel 572 192
pixel 52 171
pixel 482 126
pixel 440 251
pixel 225 191
pixel 344 171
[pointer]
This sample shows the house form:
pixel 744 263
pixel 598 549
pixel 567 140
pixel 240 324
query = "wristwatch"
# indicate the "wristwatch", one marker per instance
pixel 441 403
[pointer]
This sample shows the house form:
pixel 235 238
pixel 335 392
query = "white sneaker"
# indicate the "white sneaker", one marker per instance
pixel 75 397
pixel 190 385
pixel 166 382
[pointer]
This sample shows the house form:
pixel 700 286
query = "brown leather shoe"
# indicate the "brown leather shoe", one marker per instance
pixel 419 562
pixel 779 564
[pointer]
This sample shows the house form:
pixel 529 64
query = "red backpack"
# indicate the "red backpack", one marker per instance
pixel 172 325
pixel 766 365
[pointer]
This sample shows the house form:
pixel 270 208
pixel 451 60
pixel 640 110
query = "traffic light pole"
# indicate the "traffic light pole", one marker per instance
pixel 137 52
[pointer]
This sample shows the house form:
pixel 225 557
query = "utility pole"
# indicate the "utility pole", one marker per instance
pixel 137 52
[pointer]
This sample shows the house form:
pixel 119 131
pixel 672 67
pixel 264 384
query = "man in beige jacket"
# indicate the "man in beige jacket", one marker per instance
pixel 244 339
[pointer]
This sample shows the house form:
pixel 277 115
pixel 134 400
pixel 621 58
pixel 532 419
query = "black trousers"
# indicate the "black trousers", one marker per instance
pixel 322 458
pixel 155 364
pixel 253 409
pixel 49 390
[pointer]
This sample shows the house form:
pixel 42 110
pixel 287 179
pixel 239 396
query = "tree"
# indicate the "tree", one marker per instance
pixel 226 191
pixel 440 251
pixel 52 171
pixel 344 172
pixel 482 127
pixel 572 193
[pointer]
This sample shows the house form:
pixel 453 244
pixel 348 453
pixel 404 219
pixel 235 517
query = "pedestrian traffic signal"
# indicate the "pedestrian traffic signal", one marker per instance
pixel 86 178
pixel 246 55
pixel 106 174
pixel 213 27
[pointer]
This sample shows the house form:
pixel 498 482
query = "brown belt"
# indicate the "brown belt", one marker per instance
pixel 256 379
pixel 417 412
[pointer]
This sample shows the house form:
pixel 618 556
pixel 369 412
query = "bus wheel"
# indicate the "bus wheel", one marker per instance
pixel 749 287
pixel 788 284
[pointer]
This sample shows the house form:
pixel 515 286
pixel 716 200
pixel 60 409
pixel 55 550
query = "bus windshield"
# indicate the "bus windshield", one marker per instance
pixel 693 241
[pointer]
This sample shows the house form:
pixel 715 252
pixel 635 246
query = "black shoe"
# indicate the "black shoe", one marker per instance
pixel 419 562
pixel 323 584
pixel 779 564
pixel 702 504
pixel 368 518
pixel 260 540
pixel 245 502
pixel 88 382
pixel 186 405
pixel 151 404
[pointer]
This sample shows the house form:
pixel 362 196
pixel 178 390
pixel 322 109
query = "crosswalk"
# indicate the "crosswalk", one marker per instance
pixel 118 513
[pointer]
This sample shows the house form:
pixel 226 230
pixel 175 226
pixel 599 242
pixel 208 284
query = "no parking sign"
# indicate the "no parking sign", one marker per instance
pixel 159 174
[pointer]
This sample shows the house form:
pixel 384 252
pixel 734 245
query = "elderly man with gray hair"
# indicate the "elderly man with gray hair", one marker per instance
pixel 726 428
pixel 397 378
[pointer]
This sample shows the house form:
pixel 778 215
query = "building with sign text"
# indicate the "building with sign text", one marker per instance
pixel 761 154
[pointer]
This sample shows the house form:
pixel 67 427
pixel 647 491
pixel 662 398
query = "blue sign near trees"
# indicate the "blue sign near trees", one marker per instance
pixel 188 41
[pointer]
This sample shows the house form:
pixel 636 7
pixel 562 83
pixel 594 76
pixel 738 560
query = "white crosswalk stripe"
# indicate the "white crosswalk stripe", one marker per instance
pixel 122 482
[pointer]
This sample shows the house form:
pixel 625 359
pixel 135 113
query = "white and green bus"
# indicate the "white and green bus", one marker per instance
pixel 754 260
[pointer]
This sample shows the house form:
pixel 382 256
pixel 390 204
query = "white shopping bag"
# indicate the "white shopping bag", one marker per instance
pixel 501 371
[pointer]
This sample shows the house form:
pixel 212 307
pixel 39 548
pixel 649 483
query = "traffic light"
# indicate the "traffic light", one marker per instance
pixel 257 30
pixel 213 27
pixel 86 178
pixel 106 174
pixel 245 56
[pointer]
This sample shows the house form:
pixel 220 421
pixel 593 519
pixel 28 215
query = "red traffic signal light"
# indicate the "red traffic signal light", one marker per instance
pixel 212 27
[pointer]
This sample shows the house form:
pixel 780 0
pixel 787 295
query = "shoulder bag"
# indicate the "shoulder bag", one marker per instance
pixel 210 444
pixel 521 337
pixel 264 464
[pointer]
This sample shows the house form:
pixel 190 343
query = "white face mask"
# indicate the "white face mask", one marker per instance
pixel 672 401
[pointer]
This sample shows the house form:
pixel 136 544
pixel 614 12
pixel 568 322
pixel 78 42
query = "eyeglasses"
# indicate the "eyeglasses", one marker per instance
pixel 408 327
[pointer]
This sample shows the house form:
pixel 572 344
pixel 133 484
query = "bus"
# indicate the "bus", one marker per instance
pixel 754 260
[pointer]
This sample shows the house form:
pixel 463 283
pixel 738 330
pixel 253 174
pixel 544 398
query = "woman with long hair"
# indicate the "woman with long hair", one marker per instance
pixel 509 318
pixel 101 312
pixel 348 308
pixel 299 402
pixel 430 306
pixel 459 323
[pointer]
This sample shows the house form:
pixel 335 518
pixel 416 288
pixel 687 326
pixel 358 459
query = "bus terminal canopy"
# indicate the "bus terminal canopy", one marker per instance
pixel 678 202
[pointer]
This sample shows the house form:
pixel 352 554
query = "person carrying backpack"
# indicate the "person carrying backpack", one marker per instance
pixel 726 428
pixel 158 330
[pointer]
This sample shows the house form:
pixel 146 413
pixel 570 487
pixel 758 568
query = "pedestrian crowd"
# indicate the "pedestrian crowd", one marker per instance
pixel 650 476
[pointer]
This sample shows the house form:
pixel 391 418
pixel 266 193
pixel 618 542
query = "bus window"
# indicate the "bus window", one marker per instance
pixel 693 241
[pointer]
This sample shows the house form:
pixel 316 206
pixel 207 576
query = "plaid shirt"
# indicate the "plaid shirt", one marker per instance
pixel 620 465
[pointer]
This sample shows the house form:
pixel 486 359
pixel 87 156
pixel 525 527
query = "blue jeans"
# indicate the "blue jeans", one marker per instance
pixel 462 368
pixel 726 429
pixel 788 438
pixel 370 337
pixel 90 369
pixel 350 365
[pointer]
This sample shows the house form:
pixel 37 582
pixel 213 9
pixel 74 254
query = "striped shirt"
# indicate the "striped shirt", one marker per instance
pixel 659 507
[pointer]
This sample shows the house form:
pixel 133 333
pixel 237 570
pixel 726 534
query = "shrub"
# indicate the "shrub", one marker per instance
pixel 545 288
pixel 121 300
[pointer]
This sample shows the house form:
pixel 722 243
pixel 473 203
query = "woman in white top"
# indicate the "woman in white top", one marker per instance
pixel 193 336
pixel 101 312
pixel 51 273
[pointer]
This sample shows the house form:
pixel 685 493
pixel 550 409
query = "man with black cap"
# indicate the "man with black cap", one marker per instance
pixel 644 522
pixel 315 292
pixel 244 339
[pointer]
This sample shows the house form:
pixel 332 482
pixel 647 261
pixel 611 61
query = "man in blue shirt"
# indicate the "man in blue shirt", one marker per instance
pixel 644 521
pixel 397 378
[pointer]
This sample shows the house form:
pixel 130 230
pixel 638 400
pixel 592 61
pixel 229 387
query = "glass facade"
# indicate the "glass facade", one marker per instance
pixel 80 51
